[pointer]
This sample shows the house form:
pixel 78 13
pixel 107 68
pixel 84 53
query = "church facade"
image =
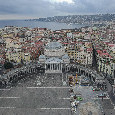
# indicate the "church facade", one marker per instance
pixel 54 58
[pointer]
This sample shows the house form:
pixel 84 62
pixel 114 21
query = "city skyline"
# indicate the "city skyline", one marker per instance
pixel 47 8
pixel 57 57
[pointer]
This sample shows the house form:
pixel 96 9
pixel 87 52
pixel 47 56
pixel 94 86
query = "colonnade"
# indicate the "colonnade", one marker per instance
pixel 84 71
pixel 17 74
pixel 53 66
pixel 49 66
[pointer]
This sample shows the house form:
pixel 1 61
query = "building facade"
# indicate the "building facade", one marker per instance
pixel 54 57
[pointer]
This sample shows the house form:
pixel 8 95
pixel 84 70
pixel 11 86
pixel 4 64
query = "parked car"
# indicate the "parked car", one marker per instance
pixel 102 95
pixel 96 89
pixel 79 98
pixel 84 84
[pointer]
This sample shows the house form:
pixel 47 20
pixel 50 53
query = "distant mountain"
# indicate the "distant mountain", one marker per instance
pixel 78 18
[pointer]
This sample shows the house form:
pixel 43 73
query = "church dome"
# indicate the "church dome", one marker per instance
pixel 54 45
pixel 42 57
pixel 65 56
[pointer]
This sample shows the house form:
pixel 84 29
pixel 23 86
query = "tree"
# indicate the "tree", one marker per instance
pixel 8 65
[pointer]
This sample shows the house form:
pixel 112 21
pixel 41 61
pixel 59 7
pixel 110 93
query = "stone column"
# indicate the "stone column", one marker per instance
pixel 59 66
pixel 34 70
pixel 67 68
pixel 45 66
pixel 55 66
pixel 84 72
pixel 50 66
pixel 78 70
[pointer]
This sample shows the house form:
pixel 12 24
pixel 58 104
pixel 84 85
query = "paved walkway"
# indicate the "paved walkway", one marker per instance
pixel 89 103
pixel 29 98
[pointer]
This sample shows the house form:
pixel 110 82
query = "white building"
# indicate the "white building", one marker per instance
pixel 54 57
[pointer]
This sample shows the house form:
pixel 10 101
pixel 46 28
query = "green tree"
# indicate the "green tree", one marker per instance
pixel 8 65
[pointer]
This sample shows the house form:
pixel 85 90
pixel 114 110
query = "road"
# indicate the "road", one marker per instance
pixel 88 96
pixel 39 95
pixel 107 104
pixel 110 91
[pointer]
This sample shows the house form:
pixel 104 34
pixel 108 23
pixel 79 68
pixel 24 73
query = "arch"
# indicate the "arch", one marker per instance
pixel 93 79
pixel 1 84
pixel 86 74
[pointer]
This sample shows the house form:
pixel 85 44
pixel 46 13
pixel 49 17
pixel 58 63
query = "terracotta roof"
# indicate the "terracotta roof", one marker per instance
pixel 111 45
pixel 89 49
pixel 103 54
pixel 65 43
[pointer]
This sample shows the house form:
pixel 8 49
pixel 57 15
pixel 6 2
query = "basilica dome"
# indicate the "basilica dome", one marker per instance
pixel 54 45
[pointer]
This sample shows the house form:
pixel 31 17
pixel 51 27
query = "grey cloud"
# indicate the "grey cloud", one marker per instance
pixel 88 6
pixel 25 7
pixel 44 8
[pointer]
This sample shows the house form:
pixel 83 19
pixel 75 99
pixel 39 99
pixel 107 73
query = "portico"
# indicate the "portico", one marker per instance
pixel 53 65
pixel 54 58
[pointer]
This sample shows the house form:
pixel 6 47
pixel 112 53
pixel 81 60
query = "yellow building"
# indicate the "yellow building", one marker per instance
pixel 18 56
pixel 26 57
pixel 6 35
pixel 72 54
pixel 72 51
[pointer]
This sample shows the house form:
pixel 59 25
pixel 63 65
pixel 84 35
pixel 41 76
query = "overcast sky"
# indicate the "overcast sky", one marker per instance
pixel 14 9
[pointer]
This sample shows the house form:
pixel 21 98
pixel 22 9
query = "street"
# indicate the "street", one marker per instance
pixel 90 100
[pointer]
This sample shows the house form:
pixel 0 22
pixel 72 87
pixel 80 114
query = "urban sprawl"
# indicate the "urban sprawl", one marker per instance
pixel 79 61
